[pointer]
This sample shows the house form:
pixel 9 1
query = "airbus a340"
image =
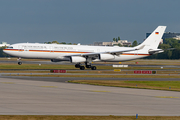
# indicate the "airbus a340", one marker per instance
pixel 87 54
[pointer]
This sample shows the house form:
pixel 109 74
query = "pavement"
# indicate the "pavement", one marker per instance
pixel 53 96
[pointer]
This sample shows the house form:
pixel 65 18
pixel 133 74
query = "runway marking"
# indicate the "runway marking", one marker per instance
pixel 8 82
pixel 49 86
pixel 99 91
pixel 166 97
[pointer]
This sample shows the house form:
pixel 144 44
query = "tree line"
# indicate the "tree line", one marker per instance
pixel 116 39
pixel 168 54
pixel 2 54
pixel 56 42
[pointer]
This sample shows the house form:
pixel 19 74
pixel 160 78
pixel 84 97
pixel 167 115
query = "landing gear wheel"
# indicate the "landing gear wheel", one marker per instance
pixel 82 67
pixel 77 66
pixel 19 63
pixel 93 68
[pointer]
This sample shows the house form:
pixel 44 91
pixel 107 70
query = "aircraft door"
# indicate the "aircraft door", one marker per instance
pixel 26 48
pixel 51 49
pixel 20 48
pixel 136 52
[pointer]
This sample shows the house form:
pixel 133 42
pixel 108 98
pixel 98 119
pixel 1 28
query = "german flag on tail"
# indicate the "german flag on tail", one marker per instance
pixel 157 33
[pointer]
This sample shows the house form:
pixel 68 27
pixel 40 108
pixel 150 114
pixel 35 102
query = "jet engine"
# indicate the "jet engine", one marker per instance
pixel 77 59
pixel 106 57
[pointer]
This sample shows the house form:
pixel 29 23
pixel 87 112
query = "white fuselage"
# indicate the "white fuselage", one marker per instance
pixel 61 51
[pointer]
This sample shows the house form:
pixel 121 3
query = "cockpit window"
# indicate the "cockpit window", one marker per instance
pixel 9 47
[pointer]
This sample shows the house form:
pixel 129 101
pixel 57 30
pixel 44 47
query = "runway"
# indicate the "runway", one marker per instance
pixel 53 96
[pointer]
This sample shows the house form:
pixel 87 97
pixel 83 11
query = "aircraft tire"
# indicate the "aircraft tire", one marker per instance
pixel 93 68
pixel 77 66
pixel 82 67
pixel 19 63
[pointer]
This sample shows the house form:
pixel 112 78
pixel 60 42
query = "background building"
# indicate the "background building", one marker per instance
pixel 4 44
pixel 168 35
pixel 120 42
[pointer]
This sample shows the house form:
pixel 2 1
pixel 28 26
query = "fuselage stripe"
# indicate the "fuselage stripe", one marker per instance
pixel 52 51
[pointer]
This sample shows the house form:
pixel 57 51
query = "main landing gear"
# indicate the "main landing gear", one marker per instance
pixel 19 63
pixel 79 66
pixel 87 66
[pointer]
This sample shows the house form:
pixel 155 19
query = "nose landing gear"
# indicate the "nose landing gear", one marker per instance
pixel 19 61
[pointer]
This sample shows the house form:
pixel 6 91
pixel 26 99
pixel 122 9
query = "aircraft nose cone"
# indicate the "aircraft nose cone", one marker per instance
pixel 4 50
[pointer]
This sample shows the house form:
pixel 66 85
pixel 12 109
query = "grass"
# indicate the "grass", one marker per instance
pixel 157 85
pixel 111 117
pixel 34 66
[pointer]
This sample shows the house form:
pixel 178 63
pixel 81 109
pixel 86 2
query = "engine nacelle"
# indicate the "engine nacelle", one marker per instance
pixel 106 57
pixel 77 59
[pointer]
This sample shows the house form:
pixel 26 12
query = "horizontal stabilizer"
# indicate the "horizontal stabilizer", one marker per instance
pixel 155 51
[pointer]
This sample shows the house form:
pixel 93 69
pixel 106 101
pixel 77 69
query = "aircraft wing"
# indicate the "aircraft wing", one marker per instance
pixel 121 51
pixel 109 52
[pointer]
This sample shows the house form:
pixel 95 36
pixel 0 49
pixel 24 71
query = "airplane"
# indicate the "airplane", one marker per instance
pixel 79 54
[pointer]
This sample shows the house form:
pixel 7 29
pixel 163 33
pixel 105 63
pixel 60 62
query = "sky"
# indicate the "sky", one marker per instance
pixel 85 21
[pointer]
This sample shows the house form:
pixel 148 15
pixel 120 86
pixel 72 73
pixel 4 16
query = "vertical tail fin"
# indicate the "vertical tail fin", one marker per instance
pixel 152 42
